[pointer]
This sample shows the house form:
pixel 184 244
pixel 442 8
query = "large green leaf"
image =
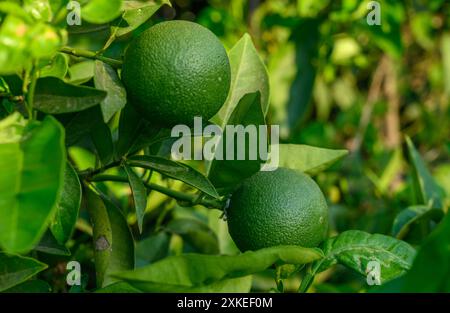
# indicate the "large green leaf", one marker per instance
pixel 136 13
pixel 307 159
pixel 54 96
pixel 67 208
pixel 101 11
pixel 248 75
pixel 15 269
pixel 106 78
pixel 113 242
pixel 184 272
pixel 355 249
pixel 139 195
pixel 226 173
pixel 426 190
pixel 175 170
pixel 32 163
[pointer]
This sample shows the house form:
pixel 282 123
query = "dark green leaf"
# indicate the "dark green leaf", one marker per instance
pixel 139 195
pixel 430 271
pixel 113 242
pixel 306 48
pixel 228 173
pixel 412 217
pixel 181 273
pixel 105 78
pixel 32 162
pixel 16 269
pixel 175 170
pixel 103 142
pixel 426 190
pixel 196 234
pixel 119 287
pixel 67 208
pixel 54 96
pixel 152 249
pixel 135 133
pixel 31 286
pixel 49 245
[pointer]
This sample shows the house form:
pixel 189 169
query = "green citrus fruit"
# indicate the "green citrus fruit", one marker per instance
pixel 282 207
pixel 176 70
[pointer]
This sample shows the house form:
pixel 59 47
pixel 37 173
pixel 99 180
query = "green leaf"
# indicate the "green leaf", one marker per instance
pixel 308 159
pixel 56 67
pixel 105 78
pixel 175 170
pixel 412 217
pixel 181 273
pixel 136 133
pixel 53 96
pixel 355 249
pixel 195 233
pixel 427 192
pixel 135 14
pixel 67 208
pixel 306 50
pixel 102 138
pixel 31 286
pixel 227 173
pixel 49 245
pixel 16 269
pixel 139 195
pixel 101 11
pixel 81 72
pixel 152 249
pixel 248 74
pixel 113 242
pixel 32 164
pixel 119 287
pixel 233 285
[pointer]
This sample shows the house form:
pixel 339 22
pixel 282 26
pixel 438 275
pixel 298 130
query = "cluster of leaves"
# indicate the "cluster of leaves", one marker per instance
pixel 84 178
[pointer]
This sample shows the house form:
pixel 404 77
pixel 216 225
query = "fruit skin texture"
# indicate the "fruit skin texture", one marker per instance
pixel 176 70
pixel 283 207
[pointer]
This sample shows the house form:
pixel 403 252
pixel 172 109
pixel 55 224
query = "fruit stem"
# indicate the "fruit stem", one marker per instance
pixel 91 55
pixel 190 198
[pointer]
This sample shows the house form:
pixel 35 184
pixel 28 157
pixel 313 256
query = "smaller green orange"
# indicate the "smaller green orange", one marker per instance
pixel 282 207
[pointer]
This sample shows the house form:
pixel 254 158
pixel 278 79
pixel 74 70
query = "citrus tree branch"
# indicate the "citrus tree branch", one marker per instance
pixel 91 55
pixel 186 197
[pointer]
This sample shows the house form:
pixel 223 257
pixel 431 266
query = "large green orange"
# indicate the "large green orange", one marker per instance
pixel 176 70
pixel 283 207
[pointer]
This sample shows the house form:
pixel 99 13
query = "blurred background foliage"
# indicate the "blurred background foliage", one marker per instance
pixel 336 82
